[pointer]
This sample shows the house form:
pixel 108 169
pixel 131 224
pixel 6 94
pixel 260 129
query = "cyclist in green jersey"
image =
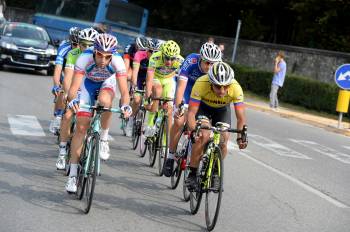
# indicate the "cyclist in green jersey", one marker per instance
pixel 86 39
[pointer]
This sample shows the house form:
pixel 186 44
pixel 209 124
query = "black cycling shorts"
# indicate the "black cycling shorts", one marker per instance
pixel 215 115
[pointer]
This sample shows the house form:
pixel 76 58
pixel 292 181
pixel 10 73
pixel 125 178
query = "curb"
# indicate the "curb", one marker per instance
pixel 301 118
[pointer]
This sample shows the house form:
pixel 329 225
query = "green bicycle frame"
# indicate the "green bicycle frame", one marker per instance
pixel 214 143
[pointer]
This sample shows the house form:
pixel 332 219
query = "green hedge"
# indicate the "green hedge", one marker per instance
pixel 296 90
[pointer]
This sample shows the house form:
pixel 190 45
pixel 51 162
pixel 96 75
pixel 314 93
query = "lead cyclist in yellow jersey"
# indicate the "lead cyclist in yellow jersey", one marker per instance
pixel 211 96
pixel 160 80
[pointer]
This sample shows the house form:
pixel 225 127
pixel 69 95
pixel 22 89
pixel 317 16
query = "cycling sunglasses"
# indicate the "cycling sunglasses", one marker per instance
pixel 105 56
pixel 225 87
pixel 169 58
pixel 85 45
pixel 207 62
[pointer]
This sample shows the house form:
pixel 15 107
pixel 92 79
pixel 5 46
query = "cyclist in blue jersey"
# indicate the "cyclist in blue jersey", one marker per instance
pixel 62 52
pixel 194 66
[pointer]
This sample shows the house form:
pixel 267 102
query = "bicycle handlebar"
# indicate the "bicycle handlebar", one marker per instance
pixel 100 108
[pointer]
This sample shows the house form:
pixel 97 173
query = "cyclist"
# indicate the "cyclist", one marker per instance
pixel 211 97
pixel 86 39
pixel 160 79
pixel 194 66
pixel 63 50
pixel 139 72
pixel 96 72
pixel 130 51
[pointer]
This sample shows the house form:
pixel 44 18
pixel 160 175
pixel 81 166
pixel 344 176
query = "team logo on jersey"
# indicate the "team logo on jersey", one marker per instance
pixel 194 60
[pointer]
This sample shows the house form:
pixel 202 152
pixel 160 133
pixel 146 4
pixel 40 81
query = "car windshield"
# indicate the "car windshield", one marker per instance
pixel 26 32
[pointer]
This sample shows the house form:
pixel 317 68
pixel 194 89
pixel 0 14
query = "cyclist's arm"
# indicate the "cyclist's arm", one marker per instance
pixel 57 75
pixel 73 90
pixel 180 90
pixel 67 81
pixel 123 88
pixel 126 59
pixel 240 115
pixel 149 81
pixel 192 111
pixel 135 72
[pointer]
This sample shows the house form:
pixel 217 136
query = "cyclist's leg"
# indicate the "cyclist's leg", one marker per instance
pixel 105 98
pixel 157 93
pixel 223 115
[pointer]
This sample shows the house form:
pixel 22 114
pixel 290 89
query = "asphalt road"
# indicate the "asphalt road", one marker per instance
pixel 292 177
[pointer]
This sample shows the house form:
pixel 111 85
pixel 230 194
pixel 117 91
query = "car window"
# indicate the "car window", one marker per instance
pixel 23 31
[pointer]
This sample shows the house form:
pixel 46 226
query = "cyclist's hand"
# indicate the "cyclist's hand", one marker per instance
pixel 74 105
pixel 242 144
pixel 55 90
pixel 195 137
pixel 127 110
pixel 178 112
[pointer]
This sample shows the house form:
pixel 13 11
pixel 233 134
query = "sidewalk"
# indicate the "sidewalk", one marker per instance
pixel 318 121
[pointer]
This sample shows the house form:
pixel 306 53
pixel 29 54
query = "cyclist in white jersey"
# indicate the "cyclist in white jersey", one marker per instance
pixel 96 72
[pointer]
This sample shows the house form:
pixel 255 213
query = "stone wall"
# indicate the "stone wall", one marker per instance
pixel 313 63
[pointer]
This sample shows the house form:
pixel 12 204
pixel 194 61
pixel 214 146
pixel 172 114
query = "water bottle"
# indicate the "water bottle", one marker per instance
pixel 158 122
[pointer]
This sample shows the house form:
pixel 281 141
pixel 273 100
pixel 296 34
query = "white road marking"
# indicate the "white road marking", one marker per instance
pixel 25 125
pixel 334 154
pixel 347 147
pixel 275 147
pixel 300 183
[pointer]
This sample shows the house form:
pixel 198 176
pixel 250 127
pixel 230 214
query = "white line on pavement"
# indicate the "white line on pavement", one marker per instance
pixel 347 147
pixel 298 182
pixel 25 125
pixel 334 154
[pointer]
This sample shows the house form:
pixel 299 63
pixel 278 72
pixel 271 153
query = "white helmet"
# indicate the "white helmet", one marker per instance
pixel 221 73
pixel 142 43
pixel 88 34
pixel 210 52
pixel 106 43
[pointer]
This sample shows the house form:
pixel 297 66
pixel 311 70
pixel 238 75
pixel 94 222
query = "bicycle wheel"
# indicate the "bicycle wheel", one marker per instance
pixel 67 166
pixel 185 192
pixel 181 153
pixel 81 180
pixel 143 140
pixel 195 200
pixel 151 151
pixel 136 129
pixel 163 145
pixel 214 190
pixel 92 171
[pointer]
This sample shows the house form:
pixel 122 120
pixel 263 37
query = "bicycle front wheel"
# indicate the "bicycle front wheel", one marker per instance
pixel 92 171
pixel 136 129
pixel 163 145
pixel 151 151
pixel 214 189
pixel 181 150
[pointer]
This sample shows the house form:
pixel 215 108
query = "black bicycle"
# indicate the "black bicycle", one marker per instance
pixel 138 122
pixel 210 173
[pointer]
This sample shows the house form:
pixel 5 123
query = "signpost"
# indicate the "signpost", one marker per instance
pixel 342 79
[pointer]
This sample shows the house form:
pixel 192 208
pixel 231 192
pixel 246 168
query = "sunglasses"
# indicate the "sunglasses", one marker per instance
pixel 101 55
pixel 225 87
pixel 74 44
pixel 207 62
pixel 170 58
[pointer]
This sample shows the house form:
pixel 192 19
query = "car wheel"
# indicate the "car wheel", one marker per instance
pixel 50 71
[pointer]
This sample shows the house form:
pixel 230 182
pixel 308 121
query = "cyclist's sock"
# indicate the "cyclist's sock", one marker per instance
pixel 171 155
pixel 104 134
pixel 73 170
pixel 150 120
pixel 63 144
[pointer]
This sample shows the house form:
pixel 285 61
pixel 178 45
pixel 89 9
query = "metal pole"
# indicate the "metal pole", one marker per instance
pixel 236 41
pixel 339 120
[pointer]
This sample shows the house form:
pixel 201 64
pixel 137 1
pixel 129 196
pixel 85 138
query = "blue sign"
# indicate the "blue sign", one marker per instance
pixel 342 76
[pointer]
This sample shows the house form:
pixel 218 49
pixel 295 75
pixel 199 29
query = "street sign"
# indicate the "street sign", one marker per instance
pixel 342 76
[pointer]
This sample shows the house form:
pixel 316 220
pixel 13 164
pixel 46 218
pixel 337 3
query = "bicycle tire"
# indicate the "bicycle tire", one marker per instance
pixel 163 148
pixel 195 201
pixel 151 152
pixel 185 192
pixel 181 149
pixel 92 173
pixel 81 180
pixel 136 129
pixel 212 219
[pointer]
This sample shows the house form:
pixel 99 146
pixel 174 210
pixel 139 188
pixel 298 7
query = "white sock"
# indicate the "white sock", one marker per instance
pixel 63 144
pixel 171 155
pixel 73 170
pixel 104 134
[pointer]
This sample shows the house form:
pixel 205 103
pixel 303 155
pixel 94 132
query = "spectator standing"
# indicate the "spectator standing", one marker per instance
pixel 280 68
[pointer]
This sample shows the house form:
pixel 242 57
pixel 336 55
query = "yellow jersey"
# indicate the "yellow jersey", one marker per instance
pixel 156 64
pixel 202 92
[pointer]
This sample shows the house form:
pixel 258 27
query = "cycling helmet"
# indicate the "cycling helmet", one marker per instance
pixel 106 43
pixel 88 34
pixel 210 52
pixel 221 73
pixel 170 48
pixel 141 43
pixel 155 44
pixel 73 34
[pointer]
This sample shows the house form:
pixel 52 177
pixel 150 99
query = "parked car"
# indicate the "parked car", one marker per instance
pixel 26 45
